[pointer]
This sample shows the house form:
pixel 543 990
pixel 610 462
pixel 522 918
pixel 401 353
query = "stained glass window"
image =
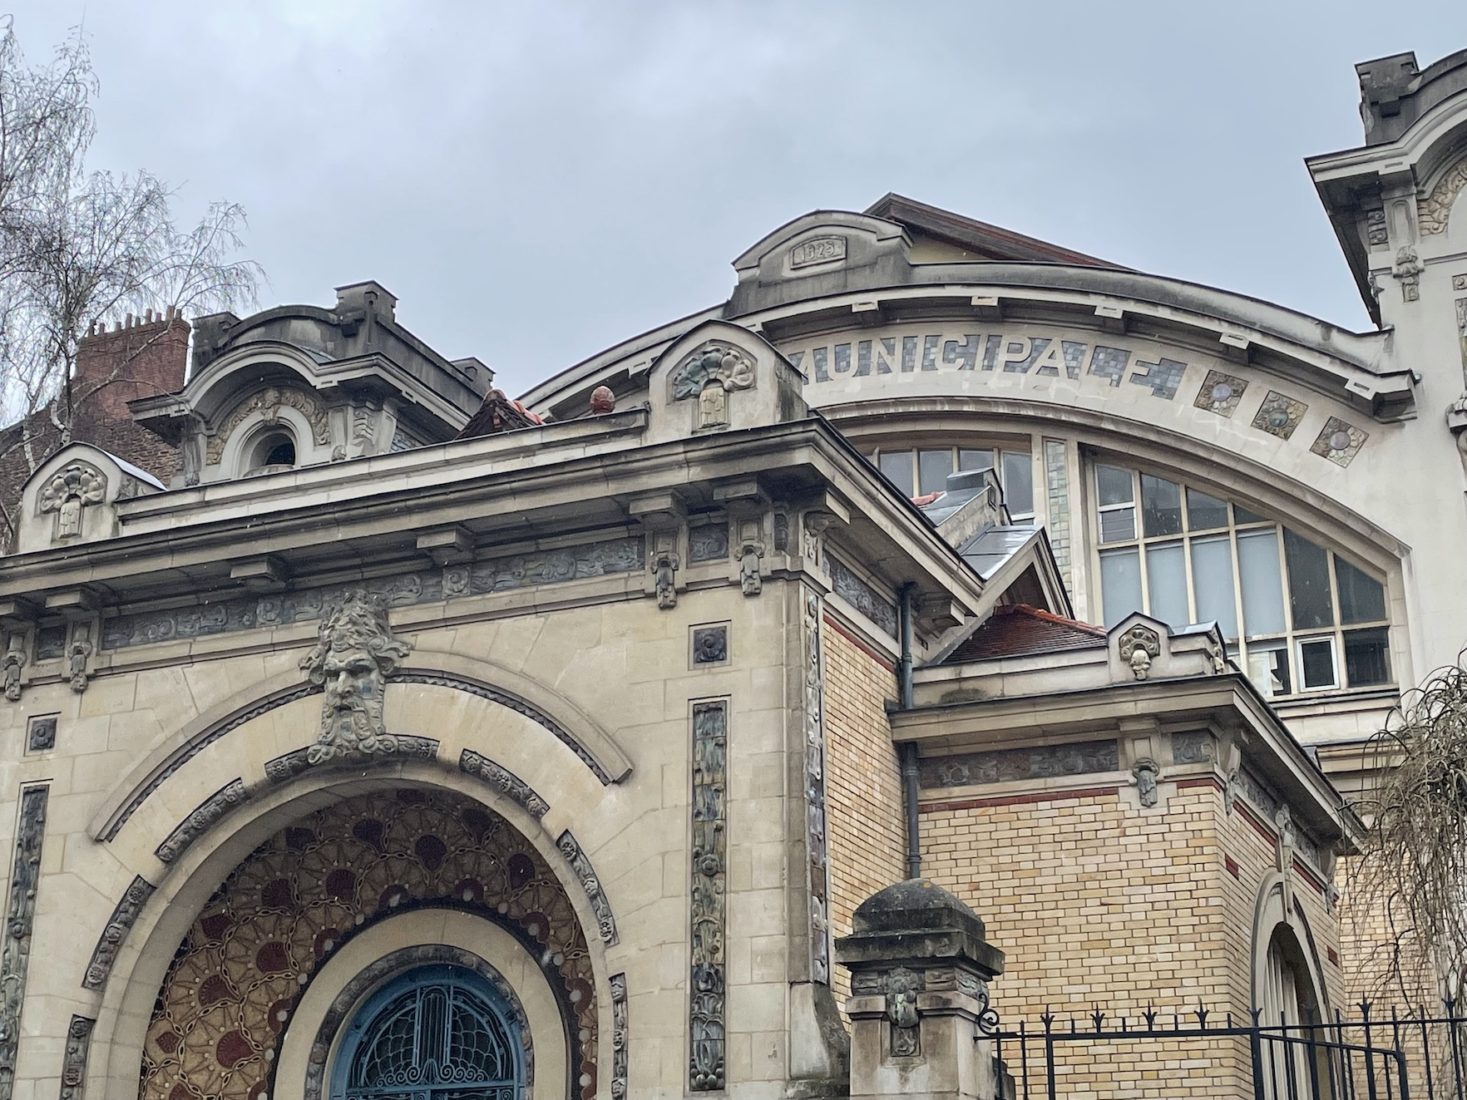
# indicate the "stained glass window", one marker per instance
pixel 433 1033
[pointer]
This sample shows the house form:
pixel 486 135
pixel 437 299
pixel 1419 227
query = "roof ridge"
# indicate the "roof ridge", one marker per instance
pixel 1051 617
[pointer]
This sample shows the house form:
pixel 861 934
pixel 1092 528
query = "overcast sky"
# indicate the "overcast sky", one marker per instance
pixel 538 181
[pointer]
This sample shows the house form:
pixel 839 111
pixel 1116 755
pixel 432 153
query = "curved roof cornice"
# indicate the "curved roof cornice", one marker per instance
pixel 1351 366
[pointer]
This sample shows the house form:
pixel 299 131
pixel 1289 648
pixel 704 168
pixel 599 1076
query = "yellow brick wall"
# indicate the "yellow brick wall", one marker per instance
pixel 863 788
pixel 1098 902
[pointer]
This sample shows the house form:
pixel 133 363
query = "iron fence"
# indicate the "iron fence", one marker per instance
pixel 1369 1055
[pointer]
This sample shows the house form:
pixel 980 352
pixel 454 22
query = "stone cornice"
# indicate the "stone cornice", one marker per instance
pixel 1223 702
pixel 519 488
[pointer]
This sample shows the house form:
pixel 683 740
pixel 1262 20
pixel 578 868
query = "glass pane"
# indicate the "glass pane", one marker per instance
pixel 1120 584
pixel 1161 506
pixel 1263 591
pixel 1114 485
pixel 1118 525
pixel 1367 657
pixel 975 460
pixel 1310 604
pixel 1268 668
pixel 1242 515
pixel 898 467
pixel 933 468
pixel 1018 483
pixel 1212 583
pixel 1317 663
pixel 1166 584
pixel 1362 597
pixel 1204 512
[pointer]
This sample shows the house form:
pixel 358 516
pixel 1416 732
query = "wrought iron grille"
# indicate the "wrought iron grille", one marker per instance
pixel 434 1033
pixel 1369 1055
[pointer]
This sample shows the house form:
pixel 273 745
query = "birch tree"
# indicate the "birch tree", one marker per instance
pixel 79 247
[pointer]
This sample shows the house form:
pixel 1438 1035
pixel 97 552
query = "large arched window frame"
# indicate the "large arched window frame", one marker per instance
pixel 1299 616
pixel 434 1032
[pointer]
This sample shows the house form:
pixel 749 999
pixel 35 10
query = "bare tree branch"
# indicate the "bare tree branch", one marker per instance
pixel 78 247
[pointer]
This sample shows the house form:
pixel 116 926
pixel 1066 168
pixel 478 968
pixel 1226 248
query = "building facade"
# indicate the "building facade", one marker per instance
pixel 371 734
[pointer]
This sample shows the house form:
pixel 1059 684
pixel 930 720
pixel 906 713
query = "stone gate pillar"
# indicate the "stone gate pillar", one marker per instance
pixel 920 967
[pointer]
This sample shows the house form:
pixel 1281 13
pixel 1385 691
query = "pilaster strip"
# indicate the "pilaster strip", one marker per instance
pixel 118 926
pixel 74 1060
pixel 20 915
pixel 619 1036
pixel 815 835
pixel 708 911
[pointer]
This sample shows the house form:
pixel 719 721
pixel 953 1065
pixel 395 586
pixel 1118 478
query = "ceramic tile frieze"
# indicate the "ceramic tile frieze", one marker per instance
pixel 20 916
pixel 708 906
pixel 1005 765
pixel 581 864
pixel 118 926
pixel 860 595
pixel 203 818
pixel 430 586
pixel 504 781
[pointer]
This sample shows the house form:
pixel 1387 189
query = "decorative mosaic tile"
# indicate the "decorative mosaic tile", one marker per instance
pixel 41 734
pixel 1220 393
pixel 1279 414
pixel 237 979
pixel 1339 442
pixel 710 644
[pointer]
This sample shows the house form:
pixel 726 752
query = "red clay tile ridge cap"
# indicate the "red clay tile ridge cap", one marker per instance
pixel 499 413
pixel 1020 630
pixel 1049 617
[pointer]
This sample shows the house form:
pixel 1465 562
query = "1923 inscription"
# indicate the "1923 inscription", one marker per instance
pixel 818 250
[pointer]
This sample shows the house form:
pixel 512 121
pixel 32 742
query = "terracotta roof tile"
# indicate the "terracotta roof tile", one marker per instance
pixel 1020 630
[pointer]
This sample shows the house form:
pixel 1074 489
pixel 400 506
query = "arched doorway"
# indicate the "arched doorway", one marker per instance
pixel 301 904
pixel 432 1033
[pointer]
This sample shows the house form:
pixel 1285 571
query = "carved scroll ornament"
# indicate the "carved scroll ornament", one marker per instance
pixel 67 492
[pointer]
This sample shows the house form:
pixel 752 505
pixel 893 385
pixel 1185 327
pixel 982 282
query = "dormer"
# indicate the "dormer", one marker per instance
pixel 300 386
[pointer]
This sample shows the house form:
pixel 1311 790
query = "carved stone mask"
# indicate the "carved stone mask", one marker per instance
pixel 354 655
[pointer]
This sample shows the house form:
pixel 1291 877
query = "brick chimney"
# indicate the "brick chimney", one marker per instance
pixel 139 357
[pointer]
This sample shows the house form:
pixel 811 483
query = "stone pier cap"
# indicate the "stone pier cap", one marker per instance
pixel 916 922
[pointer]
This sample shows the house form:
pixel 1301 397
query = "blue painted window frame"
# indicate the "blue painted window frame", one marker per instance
pixel 462 990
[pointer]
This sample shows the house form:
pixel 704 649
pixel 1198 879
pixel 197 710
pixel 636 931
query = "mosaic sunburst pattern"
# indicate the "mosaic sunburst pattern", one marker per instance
pixel 252 950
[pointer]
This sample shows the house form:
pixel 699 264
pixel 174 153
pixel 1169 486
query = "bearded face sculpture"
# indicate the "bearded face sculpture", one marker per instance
pixel 355 653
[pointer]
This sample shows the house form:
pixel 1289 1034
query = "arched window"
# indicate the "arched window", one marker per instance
pixel 433 1033
pixel 1288 1003
pixel 275 450
pixel 1297 617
